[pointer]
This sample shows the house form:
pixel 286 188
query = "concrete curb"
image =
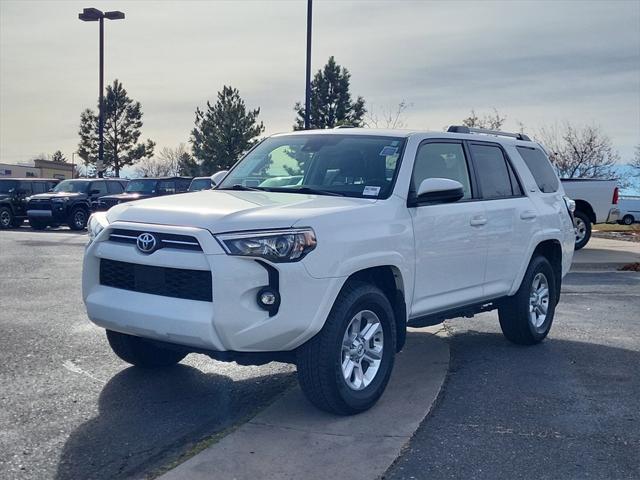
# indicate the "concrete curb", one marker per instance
pixel 291 439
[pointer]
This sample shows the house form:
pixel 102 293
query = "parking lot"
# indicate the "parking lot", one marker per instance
pixel 70 409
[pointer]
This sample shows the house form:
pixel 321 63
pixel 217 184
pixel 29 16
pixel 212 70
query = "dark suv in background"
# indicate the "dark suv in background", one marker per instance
pixel 13 198
pixel 71 202
pixel 141 188
pixel 200 183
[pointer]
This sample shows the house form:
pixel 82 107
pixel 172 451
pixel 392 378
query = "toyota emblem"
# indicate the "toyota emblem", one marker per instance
pixel 146 243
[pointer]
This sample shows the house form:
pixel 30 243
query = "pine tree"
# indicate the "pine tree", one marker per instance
pixel 58 156
pixel 224 131
pixel 122 124
pixel 331 103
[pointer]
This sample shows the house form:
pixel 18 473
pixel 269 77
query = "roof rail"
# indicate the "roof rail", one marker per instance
pixel 344 126
pixel 486 131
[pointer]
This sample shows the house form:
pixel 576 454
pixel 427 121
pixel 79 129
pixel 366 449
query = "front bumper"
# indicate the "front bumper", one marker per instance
pixel 55 214
pixel 233 321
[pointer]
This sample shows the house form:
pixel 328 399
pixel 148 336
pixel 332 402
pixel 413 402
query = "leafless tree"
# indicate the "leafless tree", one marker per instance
pixel 388 117
pixel 635 163
pixel 579 152
pixel 491 121
pixel 168 162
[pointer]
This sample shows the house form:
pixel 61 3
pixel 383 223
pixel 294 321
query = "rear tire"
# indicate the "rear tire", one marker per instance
pixel 38 224
pixel 345 368
pixel 526 317
pixel 628 219
pixel 583 229
pixel 6 218
pixel 142 353
pixel 78 219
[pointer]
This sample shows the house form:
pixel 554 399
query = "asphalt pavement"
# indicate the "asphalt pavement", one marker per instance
pixel 70 409
pixel 568 408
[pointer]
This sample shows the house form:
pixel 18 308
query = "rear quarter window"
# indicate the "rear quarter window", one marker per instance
pixel 540 168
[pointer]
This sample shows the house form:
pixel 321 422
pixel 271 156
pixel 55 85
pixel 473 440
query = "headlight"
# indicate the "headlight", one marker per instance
pixel 97 222
pixel 288 245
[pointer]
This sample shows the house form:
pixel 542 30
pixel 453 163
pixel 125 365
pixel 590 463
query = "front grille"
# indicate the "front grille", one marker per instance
pixel 39 204
pixel 165 240
pixel 167 282
pixel 107 202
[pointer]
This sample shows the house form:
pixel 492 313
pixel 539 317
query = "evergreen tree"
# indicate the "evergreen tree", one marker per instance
pixel 224 131
pixel 331 103
pixel 58 156
pixel 122 124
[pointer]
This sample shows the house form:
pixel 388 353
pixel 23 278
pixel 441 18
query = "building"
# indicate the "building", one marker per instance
pixel 40 168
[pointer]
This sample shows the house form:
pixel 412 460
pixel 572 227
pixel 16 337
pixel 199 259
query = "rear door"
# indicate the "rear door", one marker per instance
pixel 511 216
pixel 450 242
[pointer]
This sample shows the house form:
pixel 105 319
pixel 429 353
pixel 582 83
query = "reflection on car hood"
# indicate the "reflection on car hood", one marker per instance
pixel 48 196
pixel 126 196
pixel 227 210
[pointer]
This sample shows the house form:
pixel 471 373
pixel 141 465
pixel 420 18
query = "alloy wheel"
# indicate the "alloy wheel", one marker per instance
pixel 5 219
pixel 539 300
pixel 581 230
pixel 362 348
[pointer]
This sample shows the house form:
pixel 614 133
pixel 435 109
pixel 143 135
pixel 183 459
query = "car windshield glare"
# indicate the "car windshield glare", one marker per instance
pixel 141 186
pixel 350 165
pixel 72 186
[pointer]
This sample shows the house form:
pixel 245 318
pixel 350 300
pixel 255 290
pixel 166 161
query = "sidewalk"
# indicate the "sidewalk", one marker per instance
pixel 605 254
pixel 291 439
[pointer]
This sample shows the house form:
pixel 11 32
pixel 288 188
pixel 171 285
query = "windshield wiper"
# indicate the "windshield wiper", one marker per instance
pixel 237 186
pixel 307 190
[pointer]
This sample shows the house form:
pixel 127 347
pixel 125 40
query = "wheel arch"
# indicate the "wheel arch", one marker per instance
pixel 388 278
pixel 584 206
pixel 551 248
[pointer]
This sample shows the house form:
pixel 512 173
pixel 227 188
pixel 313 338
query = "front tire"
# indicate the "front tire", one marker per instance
pixel 583 229
pixel 6 218
pixel 78 219
pixel 526 317
pixel 345 368
pixel 142 353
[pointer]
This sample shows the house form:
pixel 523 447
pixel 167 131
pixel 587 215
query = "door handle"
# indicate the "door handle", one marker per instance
pixel 528 215
pixel 478 221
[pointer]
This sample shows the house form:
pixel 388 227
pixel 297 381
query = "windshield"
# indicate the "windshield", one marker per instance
pixel 141 186
pixel 350 165
pixel 72 186
pixel 200 184
pixel 7 186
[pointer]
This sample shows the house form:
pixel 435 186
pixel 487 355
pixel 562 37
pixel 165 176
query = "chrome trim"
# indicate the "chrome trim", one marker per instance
pixel 176 241
pixel 123 236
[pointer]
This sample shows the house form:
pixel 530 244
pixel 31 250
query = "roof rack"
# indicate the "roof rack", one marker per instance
pixel 463 129
pixel 344 126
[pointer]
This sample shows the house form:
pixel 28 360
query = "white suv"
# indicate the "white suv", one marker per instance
pixel 319 248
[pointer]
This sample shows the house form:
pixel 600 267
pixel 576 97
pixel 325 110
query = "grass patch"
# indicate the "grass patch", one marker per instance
pixel 614 227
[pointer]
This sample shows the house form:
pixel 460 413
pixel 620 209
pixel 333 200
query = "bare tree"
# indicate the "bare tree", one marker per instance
pixel 579 152
pixel 635 163
pixel 153 167
pixel 490 121
pixel 168 162
pixel 388 117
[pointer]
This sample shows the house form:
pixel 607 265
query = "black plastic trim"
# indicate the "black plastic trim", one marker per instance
pixel 274 285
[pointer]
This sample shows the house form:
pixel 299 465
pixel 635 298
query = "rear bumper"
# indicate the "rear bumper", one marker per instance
pixel 233 321
pixel 614 215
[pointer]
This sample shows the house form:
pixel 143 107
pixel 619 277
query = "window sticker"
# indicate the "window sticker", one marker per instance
pixel 388 151
pixel 371 191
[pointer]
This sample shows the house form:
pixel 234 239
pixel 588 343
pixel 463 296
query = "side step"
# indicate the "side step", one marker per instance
pixel 467 311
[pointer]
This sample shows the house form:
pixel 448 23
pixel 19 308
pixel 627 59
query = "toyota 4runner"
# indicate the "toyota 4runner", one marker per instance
pixel 319 248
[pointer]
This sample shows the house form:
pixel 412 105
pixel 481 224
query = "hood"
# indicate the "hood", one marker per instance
pixel 126 197
pixel 50 195
pixel 228 211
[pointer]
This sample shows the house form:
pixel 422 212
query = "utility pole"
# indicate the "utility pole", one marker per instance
pixel 307 97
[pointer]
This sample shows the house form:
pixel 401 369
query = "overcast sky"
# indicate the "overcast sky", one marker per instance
pixel 539 63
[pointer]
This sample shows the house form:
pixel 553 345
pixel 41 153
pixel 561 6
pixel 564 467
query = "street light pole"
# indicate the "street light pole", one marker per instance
pixel 307 96
pixel 95 15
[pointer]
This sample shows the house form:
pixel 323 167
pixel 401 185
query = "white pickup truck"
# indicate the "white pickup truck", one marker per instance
pixel 596 202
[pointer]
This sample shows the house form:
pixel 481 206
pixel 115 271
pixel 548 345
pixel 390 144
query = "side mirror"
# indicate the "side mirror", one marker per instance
pixel 439 190
pixel 217 177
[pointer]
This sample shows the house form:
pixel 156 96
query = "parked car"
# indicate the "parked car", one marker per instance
pixel 596 202
pixel 387 228
pixel 200 183
pixel 141 188
pixel 13 198
pixel 629 210
pixel 71 202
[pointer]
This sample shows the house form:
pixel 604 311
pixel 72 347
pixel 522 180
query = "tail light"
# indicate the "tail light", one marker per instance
pixel 615 196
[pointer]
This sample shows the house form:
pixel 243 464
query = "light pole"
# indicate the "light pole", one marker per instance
pixel 95 15
pixel 307 96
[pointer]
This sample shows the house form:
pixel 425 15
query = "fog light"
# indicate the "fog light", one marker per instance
pixel 268 298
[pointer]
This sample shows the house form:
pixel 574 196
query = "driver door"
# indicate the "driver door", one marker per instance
pixel 450 238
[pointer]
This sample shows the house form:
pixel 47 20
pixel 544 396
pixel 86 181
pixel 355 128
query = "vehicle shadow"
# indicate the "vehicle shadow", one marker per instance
pixel 150 417
pixel 61 229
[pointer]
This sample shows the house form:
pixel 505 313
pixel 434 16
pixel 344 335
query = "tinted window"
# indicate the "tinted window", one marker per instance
pixel 441 160
pixel 200 184
pixel 182 185
pixel 72 186
pixel 142 186
pixel 540 168
pixel 25 188
pixel 493 172
pixel 166 187
pixel 114 187
pixel 100 186
pixel 7 186
pixel 39 187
